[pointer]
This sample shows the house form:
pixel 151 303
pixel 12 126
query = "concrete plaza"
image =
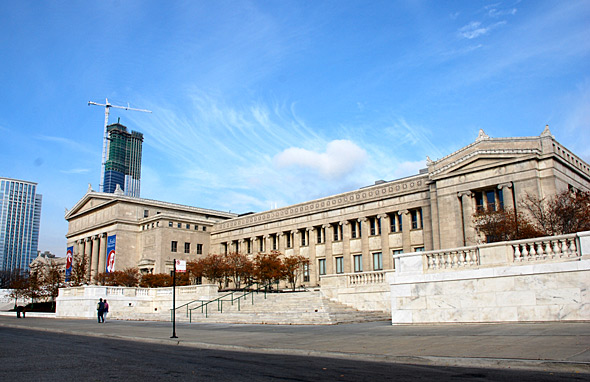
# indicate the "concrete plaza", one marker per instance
pixel 559 347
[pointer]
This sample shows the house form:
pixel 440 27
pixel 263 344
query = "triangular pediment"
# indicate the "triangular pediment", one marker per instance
pixel 89 202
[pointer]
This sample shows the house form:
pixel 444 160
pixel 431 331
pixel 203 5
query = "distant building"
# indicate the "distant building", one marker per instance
pixel 20 216
pixel 123 161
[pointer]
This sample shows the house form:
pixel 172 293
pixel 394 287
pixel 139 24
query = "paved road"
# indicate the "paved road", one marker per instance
pixel 32 355
pixel 543 348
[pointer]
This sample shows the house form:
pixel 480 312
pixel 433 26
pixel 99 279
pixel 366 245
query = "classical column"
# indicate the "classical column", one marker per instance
pixel 364 234
pixel 281 240
pixel 466 216
pixel 385 251
pixel 87 255
pixel 347 260
pixel 102 257
pixel 406 227
pixel 94 259
pixel 507 195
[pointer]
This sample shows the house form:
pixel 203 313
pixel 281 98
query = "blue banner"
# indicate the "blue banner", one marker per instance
pixel 111 243
pixel 69 259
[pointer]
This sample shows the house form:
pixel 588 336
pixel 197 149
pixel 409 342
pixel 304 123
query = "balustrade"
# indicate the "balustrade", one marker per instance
pixel 366 278
pixel 557 247
pixel 455 258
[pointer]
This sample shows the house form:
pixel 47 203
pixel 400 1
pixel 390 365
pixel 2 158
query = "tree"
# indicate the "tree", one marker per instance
pixel 293 267
pixel 239 268
pixel 503 225
pixel 19 284
pixel 128 277
pixel 79 270
pixel 194 269
pixel 52 281
pixel 268 267
pixel 215 268
pixel 563 213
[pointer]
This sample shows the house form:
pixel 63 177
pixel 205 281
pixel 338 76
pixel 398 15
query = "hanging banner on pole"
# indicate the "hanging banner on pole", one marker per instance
pixel 69 259
pixel 180 265
pixel 111 244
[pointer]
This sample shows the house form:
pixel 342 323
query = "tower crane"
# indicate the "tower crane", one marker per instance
pixel 107 106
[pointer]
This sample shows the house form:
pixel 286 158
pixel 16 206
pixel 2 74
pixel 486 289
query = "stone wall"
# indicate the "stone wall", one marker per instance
pixel 365 291
pixel 544 279
pixel 128 303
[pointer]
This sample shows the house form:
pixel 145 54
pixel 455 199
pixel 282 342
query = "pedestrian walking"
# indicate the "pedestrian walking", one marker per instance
pixel 106 310
pixel 20 309
pixel 100 310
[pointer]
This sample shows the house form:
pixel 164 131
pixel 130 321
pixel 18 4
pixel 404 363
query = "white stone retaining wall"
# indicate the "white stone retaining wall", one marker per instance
pixel 543 279
pixel 127 303
pixel 366 291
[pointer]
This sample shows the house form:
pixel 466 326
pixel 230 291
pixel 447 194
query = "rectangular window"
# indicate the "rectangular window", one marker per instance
pixel 339 265
pixel 395 222
pixel 353 233
pixel 305 272
pixel 187 247
pixel 169 224
pixel 322 266
pixel 288 244
pixel 319 234
pixel 196 227
pixel 188 226
pixel 204 228
pixel 398 251
pixel 375 226
pixel 336 229
pixel 275 242
pixel 358 263
pixel 377 261
pixel 260 243
pixel 199 249
pixel 179 225
pixel 146 213
pixel 174 246
pixel 249 245
pixel 303 235
pixel 419 249
pixel 416 216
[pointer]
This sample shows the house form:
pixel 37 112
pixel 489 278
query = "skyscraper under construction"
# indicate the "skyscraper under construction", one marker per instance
pixel 123 161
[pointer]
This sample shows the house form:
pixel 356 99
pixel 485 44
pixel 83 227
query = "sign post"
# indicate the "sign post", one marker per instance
pixel 180 266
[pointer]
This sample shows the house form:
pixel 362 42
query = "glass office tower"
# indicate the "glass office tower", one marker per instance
pixel 123 163
pixel 20 217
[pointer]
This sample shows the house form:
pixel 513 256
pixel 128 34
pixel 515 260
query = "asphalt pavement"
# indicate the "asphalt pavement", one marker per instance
pixel 559 347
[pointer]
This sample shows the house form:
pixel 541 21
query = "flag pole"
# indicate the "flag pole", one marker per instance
pixel 174 301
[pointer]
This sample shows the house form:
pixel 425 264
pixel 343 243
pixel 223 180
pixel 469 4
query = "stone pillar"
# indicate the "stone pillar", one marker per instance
pixel 282 241
pixel 385 251
pixel 406 227
pixel 267 244
pixel 328 238
pixel 94 259
pixel 88 255
pixel 507 195
pixel 102 257
pixel 364 234
pixel 347 260
pixel 467 217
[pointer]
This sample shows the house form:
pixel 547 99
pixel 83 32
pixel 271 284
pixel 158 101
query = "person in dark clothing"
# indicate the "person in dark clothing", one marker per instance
pixel 20 309
pixel 100 310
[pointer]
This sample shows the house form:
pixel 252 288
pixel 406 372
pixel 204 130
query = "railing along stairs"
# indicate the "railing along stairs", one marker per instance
pixel 231 297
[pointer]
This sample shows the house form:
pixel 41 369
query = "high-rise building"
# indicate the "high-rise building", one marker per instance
pixel 20 217
pixel 123 162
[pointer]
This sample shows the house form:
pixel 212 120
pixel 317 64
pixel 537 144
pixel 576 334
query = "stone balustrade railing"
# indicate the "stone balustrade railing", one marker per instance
pixel 451 259
pixel 541 249
pixel 365 278
pixel 546 248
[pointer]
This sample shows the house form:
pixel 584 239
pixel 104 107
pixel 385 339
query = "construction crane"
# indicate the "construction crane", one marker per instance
pixel 107 106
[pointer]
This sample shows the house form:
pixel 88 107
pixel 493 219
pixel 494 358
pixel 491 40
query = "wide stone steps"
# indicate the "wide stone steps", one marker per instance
pixel 280 308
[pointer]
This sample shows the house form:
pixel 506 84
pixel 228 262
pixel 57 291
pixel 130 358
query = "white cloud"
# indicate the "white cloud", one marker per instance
pixel 75 171
pixel 340 158
pixel 472 30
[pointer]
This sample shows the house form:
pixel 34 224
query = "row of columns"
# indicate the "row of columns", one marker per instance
pixel 345 234
pixel 94 249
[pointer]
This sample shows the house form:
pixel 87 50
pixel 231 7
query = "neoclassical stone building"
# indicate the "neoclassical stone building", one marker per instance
pixel 357 231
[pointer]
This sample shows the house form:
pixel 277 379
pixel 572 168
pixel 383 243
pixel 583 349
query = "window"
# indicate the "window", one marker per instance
pixel 319 234
pixel 260 244
pixel 204 228
pixel 322 266
pixel 375 226
pixel 395 222
pixel 289 243
pixel 358 263
pixel 187 247
pixel 353 229
pixel 174 246
pixel 188 226
pixel 179 225
pixel 398 251
pixel 492 200
pixel 199 249
pixel 416 216
pixel 198 280
pixel 419 249
pixel 303 235
pixel 337 230
pixel 275 242
pixel 249 245
pixel 196 227
pixel 377 261
pixel 305 272
pixel 146 213
pixel 339 265
pixel 169 224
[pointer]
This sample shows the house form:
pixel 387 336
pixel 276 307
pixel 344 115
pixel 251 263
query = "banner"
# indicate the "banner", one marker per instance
pixel 111 241
pixel 180 265
pixel 69 259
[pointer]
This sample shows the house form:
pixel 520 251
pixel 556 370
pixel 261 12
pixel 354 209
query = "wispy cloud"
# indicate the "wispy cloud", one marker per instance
pixel 75 171
pixel 475 29
pixel 69 143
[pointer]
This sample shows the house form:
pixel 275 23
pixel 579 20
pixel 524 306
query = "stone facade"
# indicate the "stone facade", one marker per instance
pixel 350 233
pixel 149 234
pixel 362 230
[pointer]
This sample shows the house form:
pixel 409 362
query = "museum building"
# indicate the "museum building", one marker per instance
pixel 356 231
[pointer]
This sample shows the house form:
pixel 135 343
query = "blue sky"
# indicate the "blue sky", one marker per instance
pixel 258 104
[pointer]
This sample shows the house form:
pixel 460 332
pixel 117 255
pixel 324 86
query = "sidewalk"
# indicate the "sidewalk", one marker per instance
pixel 561 347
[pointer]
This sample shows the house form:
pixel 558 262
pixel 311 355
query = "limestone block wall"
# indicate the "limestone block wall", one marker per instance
pixel 550 286
pixel 127 303
pixel 367 291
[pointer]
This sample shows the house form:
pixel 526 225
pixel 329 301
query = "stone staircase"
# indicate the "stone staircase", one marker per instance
pixel 286 308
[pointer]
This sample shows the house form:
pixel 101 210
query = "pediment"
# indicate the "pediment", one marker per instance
pixel 89 202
